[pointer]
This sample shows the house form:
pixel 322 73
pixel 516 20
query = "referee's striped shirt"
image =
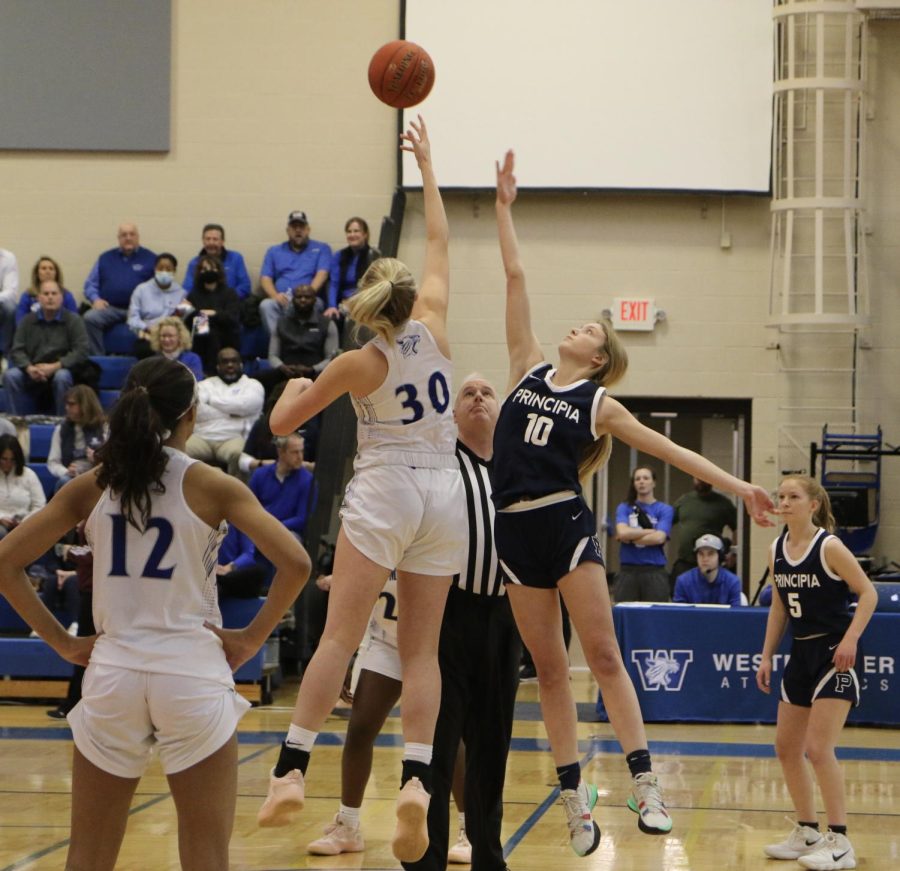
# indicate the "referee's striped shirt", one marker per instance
pixel 482 574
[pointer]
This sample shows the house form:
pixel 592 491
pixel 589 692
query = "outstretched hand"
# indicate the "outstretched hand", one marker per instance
pixel 419 144
pixel 759 505
pixel 506 180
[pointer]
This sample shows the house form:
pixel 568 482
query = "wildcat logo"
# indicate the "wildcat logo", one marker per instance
pixel 409 345
pixel 662 668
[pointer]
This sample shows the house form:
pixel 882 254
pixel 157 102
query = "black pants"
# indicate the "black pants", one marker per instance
pixel 242 583
pixel 85 628
pixel 479 656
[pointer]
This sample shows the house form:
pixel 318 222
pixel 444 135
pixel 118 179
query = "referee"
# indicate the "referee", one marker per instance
pixel 479 656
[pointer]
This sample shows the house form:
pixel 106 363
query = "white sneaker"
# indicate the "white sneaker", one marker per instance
pixel 800 842
pixel 461 852
pixel 411 835
pixel 584 833
pixel 285 798
pixel 646 801
pixel 835 853
pixel 339 838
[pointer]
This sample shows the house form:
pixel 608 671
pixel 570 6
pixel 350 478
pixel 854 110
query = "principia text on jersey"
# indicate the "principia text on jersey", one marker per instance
pixel 796 580
pixel 741 667
pixel 546 403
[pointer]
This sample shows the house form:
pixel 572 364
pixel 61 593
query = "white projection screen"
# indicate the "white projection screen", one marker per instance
pixel 599 94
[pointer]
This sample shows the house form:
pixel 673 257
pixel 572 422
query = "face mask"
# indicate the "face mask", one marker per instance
pixel 209 276
pixel 164 279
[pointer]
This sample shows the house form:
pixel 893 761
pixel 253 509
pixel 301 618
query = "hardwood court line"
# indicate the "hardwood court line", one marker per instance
pixel 51 848
pixel 698 826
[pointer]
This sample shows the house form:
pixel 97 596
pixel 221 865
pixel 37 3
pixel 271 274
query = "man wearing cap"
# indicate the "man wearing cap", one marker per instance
pixel 300 260
pixel 708 583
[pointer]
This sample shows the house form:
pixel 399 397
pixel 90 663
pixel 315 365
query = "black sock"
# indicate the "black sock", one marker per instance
pixel 808 825
pixel 838 830
pixel 291 758
pixel 569 776
pixel 639 762
pixel 413 768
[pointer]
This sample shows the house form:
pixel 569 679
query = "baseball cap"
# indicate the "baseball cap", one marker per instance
pixel 297 217
pixel 709 540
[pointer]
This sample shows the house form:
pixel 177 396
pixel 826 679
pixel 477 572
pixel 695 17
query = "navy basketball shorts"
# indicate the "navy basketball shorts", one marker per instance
pixel 810 673
pixel 539 547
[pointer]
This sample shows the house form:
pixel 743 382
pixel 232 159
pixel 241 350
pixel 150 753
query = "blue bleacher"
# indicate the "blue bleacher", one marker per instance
pixel 118 339
pixel 113 371
pixel 108 398
pixel 254 343
pixel 4 402
pixel 46 477
pixel 39 436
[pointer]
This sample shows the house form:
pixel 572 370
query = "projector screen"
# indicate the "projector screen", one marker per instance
pixel 610 94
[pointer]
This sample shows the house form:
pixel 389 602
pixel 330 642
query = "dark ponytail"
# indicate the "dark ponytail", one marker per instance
pixel 156 395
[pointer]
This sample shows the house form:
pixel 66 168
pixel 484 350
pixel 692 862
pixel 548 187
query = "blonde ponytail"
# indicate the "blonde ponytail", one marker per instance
pixel 385 298
pixel 612 370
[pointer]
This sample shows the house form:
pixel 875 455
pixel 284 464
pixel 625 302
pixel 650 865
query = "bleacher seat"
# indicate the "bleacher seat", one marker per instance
pixel 118 339
pixel 113 371
pixel 254 343
pixel 108 398
pixel 46 477
pixel 260 364
pixel 39 436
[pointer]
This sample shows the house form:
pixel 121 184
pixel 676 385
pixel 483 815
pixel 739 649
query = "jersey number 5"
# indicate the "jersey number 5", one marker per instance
pixel 794 605
pixel 538 430
pixel 152 568
pixel 438 393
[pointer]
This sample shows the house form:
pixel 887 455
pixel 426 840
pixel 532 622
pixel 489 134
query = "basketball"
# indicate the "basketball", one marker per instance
pixel 401 74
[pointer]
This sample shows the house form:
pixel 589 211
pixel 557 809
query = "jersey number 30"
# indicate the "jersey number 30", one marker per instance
pixel 153 567
pixel 438 393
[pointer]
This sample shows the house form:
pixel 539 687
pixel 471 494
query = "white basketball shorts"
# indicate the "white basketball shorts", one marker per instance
pixel 382 658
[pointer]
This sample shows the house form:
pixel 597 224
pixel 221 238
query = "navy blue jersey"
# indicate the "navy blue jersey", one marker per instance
pixel 541 434
pixel 814 597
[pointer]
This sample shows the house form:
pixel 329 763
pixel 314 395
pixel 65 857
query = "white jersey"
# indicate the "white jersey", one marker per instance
pixel 153 591
pixel 408 420
pixel 383 622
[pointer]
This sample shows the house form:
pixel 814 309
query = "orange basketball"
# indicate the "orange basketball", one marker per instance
pixel 401 74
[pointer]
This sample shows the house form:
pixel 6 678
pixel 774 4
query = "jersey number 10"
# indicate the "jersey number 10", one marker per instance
pixel 538 430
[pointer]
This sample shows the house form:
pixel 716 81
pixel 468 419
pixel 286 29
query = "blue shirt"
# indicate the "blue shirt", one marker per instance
pixel 115 275
pixel 29 303
pixel 287 268
pixel 661 516
pixel 290 500
pixel 694 588
pixel 236 548
pixel 236 275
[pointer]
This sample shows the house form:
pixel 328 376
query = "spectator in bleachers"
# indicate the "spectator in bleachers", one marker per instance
pixel 160 297
pixel 21 493
pixel 349 264
pixel 286 489
pixel 9 294
pixel 214 317
pixel 238 574
pixel 47 345
pixel 643 524
pixel 697 513
pixel 259 449
pixel 236 275
pixel 75 440
pixel 708 583
pixel 300 260
pixel 170 338
pixel 44 269
pixel 111 282
pixel 228 404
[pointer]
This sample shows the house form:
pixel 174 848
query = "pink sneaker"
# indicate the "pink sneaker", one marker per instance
pixel 285 798
pixel 339 838
pixel 411 835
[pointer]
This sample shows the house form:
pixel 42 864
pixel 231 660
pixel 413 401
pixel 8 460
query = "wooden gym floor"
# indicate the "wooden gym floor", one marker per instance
pixel 722 784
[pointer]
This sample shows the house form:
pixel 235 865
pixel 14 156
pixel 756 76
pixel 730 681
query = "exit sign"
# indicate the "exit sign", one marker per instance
pixel 633 314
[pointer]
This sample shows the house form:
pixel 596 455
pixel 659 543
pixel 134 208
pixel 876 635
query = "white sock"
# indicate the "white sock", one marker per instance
pixel 413 752
pixel 350 816
pixel 300 739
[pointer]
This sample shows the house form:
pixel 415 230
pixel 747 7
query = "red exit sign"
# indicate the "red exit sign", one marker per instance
pixel 633 314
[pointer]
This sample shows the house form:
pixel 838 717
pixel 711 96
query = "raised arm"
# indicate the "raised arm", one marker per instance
pixel 615 419
pixel 524 348
pixel 434 290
